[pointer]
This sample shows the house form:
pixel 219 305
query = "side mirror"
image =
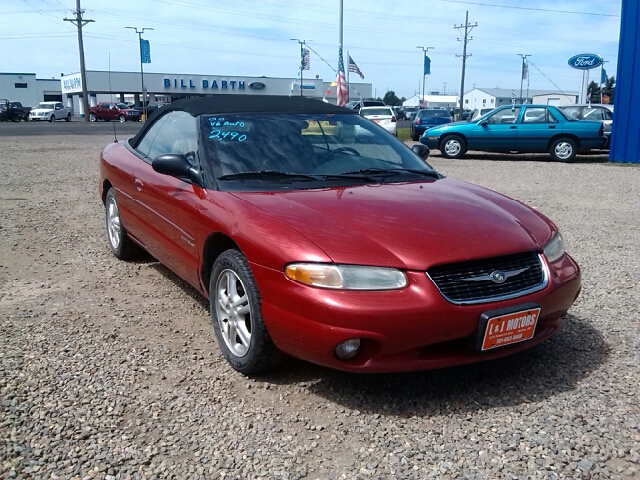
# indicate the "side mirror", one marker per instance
pixel 175 165
pixel 484 122
pixel 421 150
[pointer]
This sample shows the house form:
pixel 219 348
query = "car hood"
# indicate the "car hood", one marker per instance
pixel 46 110
pixel 407 225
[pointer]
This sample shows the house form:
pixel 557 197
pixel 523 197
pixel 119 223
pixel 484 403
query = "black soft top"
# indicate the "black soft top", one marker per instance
pixel 232 104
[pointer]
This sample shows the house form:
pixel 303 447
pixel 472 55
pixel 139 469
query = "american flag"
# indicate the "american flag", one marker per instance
pixel 354 68
pixel 343 93
pixel 306 62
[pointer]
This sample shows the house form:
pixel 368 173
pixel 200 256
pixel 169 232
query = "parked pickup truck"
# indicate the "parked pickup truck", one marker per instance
pixel 108 111
pixel 13 111
pixel 51 111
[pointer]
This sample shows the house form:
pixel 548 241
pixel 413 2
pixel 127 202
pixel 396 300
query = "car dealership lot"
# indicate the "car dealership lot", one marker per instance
pixel 111 369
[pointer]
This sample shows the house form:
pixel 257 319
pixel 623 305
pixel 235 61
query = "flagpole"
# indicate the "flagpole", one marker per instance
pixel 340 39
pixel 301 66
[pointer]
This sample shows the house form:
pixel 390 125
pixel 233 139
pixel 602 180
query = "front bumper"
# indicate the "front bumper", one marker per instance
pixel 414 328
pixel 433 142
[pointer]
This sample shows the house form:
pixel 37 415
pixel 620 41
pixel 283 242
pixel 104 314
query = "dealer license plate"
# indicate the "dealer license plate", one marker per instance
pixel 511 328
pixel 376 120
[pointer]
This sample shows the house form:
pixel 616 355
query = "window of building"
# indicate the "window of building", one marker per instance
pixel 20 85
pixel 493 100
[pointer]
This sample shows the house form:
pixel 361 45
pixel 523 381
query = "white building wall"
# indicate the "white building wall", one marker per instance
pixel 476 98
pixel 555 99
pixel 27 96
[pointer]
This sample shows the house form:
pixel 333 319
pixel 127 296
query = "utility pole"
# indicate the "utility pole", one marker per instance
pixel 81 22
pixel 424 50
pixel 467 29
pixel 524 59
pixel 444 88
pixel 301 42
pixel 144 94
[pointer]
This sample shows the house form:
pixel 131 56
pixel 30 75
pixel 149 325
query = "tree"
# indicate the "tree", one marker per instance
pixel 390 98
pixel 610 88
pixel 594 92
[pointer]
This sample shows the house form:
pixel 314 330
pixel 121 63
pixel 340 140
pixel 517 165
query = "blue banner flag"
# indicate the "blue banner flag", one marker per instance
pixel 427 65
pixel 603 76
pixel 145 51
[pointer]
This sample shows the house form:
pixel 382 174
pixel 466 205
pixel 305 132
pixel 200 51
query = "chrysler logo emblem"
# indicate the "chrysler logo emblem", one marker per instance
pixel 257 85
pixel 498 276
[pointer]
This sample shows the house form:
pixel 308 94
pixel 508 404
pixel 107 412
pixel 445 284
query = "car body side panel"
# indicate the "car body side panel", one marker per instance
pixel 168 212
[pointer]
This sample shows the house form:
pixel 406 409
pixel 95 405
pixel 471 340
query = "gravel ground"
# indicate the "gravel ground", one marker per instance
pixel 110 370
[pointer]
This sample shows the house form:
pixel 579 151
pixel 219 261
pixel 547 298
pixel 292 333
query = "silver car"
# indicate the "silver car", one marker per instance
pixel 596 111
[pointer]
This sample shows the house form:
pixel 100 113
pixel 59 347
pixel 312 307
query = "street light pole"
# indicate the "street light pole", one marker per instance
pixel 144 105
pixel 302 44
pixel 424 50
pixel 524 58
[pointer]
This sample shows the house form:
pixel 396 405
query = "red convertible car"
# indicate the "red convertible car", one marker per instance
pixel 315 233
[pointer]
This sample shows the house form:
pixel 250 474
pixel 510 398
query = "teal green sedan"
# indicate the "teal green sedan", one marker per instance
pixel 518 129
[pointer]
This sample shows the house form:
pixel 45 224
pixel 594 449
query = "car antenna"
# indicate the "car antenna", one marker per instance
pixel 115 137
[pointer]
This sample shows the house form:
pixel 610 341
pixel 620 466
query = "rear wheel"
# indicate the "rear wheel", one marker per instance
pixel 119 242
pixel 453 146
pixel 414 136
pixel 237 316
pixel 563 150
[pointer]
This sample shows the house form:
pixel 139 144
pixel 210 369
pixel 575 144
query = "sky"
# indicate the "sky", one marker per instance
pixel 253 38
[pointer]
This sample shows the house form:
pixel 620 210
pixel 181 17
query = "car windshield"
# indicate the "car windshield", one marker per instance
pixel 122 105
pixel 279 151
pixel 375 111
pixel 433 113
pixel 49 106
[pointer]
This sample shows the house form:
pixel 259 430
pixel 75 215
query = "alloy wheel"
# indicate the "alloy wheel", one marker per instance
pixel 113 223
pixel 452 147
pixel 563 150
pixel 233 312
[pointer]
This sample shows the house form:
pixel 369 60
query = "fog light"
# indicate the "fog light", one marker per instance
pixel 348 349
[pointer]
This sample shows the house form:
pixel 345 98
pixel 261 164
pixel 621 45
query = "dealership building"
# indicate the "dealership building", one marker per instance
pixel 162 87
pixel 29 90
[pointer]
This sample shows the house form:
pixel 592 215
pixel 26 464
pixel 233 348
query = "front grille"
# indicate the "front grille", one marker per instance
pixel 449 278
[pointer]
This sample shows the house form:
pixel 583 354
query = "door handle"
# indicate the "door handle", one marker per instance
pixel 138 183
pixel 552 126
pixel 513 126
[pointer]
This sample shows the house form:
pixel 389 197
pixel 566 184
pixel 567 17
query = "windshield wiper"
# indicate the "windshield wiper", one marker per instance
pixel 277 174
pixel 393 171
pixel 267 174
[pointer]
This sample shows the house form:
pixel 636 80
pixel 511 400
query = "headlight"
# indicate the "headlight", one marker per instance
pixel 554 249
pixel 346 277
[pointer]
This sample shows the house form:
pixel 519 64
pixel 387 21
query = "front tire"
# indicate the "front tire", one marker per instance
pixel 119 242
pixel 92 117
pixel 563 150
pixel 52 118
pixel 122 118
pixel 68 119
pixel 453 146
pixel 236 314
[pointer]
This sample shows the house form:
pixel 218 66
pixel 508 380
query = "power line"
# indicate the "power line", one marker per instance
pixel 574 12
pixel 554 84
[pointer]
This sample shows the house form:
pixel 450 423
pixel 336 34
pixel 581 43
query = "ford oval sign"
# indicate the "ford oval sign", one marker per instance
pixel 257 85
pixel 585 61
